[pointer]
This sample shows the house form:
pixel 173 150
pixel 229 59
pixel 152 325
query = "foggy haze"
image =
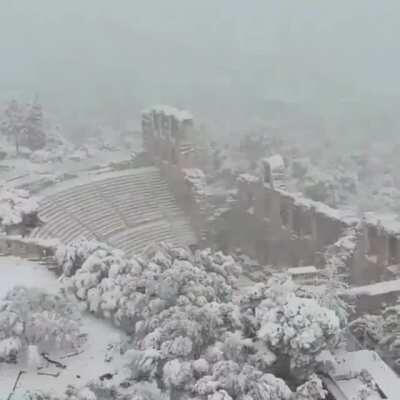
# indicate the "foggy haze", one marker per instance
pixel 212 56
pixel 199 199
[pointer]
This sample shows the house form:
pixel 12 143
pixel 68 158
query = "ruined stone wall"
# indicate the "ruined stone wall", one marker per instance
pixel 27 248
pixel 266 222
pixel 167 134
pixel 283 232
pixel 378 253
pixel 372 304
pixel 168 141
pixel 285 228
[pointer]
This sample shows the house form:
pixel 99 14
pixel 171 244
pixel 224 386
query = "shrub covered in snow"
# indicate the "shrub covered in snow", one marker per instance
pixel 296 329
pixel 17 209
pixel 99 390
pixel 195 336
pixel 381 333
pixel 70 257
pixel 56 150
pixel 125 290
pixel 228 380
pixel 311 390
pixel 32 317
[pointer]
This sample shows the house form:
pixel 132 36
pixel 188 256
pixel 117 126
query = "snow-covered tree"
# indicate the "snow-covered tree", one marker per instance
pixel 98 390
pixel 34 134
pixel 381 333
pixel 17 210
pixel 194 334
pixel 368 329
pixel 177 304
pixel 70 257
pixel 296 329
pixel 23 125
pixel 319 186
pixel 229 380
pixel 311 390
pixel 32 317
pixel 13 123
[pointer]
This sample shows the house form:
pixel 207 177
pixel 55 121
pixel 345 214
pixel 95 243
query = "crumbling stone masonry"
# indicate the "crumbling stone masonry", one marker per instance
pixel 266 221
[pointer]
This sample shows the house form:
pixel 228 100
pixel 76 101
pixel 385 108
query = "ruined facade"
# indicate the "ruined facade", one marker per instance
pixel 169 139
pixel 289 229
pixel 284 228
pixel 169 136
pixel 266 221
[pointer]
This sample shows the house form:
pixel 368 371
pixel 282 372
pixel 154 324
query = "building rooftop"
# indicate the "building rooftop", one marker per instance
pixel 303 270
pixel 362 371
pixel 376 289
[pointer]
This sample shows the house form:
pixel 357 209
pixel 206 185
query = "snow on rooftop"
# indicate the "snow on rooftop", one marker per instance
pixel 352 389
pixel 303 270
pixel 377 289
pixel 351 363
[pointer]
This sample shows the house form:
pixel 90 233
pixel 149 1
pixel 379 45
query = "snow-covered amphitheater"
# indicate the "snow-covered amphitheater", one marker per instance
pixel 79 317
pixel 129 210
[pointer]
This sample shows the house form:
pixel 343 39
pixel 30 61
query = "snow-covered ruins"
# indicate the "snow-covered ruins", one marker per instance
pixel 171 267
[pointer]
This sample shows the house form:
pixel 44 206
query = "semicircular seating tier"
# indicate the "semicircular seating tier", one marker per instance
pixel 129 210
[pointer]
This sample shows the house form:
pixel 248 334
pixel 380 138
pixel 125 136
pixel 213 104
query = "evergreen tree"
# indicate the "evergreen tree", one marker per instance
pixel 35 137
pixel 13 124
pixel 23 125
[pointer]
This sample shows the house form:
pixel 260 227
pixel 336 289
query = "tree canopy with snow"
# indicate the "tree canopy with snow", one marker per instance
pixel 380 332
pixel 17 208
pixel 194 335
pixel 23 125
pixel 31 317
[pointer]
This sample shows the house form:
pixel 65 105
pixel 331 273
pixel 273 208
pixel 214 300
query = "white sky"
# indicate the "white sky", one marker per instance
pixel 130 52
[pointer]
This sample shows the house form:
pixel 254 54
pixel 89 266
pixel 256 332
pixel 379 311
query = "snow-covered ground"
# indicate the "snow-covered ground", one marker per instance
pixel 17 169
pixel 22 171
pixel 88 365
pixel 18 272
